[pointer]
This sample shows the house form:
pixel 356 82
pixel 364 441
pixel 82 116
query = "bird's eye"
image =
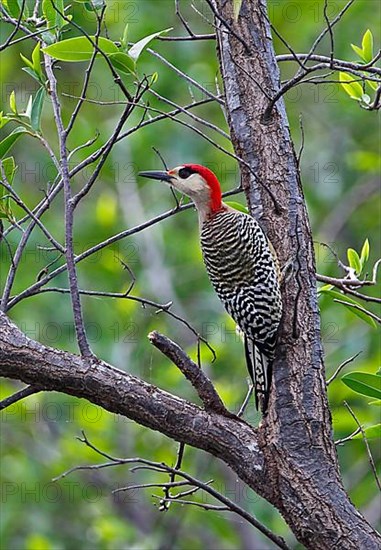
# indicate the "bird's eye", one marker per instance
pixel 184 173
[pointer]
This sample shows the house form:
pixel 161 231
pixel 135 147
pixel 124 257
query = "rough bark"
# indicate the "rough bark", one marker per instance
pixel 290 459
pixel 296 437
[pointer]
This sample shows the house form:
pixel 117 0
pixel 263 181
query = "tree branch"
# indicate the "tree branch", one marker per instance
pixel 191 371
pixel 229 439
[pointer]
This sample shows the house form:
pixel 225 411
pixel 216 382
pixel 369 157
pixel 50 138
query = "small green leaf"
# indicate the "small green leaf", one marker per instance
pixel 364 253
pixel 31 73
pixel 49 13
pixel 354 260
pixel 353 89
pixel 154 78
pixel 357 50
pixel 28 110
pixel 124 41
pixel 38 103
pixel 52 15
pixel 79 48
pixel 3 120
pixel 12 102
pixel 10 140
pixel 372 84
pixel 371 432
pixel 122 62
pixel 237 206
pixel 325 288
pixel 364 383
pixel 375 402
pixel 137 48
pixel 36 59
pixel 26 60
pixel 236 8
pixel 367 46
pixel 9 168
pixel 361 314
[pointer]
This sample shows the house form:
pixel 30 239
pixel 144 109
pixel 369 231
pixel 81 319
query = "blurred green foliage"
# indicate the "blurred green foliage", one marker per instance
pixel 340 165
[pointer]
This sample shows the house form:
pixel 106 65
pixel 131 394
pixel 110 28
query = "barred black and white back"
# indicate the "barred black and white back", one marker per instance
pixel 244 272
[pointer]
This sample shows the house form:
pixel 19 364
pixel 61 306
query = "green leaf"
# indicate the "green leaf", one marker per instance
pixel 49 13
pixel 32 73
pixel 3 120
pixel 124 41
pixel 26 60
pixel 12 102
pixel 372 84
pixel 10 140
pixel 371 432
pixel 364 383
pixel 353 89
pixel 357 50
pixel 28 110
pixel 375 402
pixel 367 46
pixel 12 7
pixel 122 62
pixel 236 8
pixel 137 48
pixel 364 253
pixel 237 206
pixel 36 59
pixel 34 67
pixel 354 260
pixel 9 168
pixel 53 18
pixel 38 103
pixel 362 315
pixel 325 288
pixel 79 49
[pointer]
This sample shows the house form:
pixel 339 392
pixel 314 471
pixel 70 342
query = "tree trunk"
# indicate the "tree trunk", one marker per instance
pixel 296 436
pixel 290 460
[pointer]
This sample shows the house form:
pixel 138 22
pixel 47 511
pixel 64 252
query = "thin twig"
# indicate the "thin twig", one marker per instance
pixel 83 343
pixel 348 438
pixel 370 457
pixel 359 308
pixel 21 394
pixel 14 31
pixel 35 288
pixel 341 366
pixel 163 468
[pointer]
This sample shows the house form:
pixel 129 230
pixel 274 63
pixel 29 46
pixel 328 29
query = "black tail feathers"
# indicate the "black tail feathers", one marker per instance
pixel 260 369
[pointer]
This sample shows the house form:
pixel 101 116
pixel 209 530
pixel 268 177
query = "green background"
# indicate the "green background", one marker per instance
pixel 339 167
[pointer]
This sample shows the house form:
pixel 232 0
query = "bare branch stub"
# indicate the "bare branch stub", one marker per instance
pixel 191 371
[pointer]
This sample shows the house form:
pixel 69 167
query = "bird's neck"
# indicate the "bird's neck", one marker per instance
pixel 207 210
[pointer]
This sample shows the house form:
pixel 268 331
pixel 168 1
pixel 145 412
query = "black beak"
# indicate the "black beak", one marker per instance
pixel 155 175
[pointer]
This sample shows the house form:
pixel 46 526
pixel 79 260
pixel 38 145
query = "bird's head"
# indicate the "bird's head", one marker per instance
pixel 197 182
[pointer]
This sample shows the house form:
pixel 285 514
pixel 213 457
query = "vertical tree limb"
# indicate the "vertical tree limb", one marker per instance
pixel 296 436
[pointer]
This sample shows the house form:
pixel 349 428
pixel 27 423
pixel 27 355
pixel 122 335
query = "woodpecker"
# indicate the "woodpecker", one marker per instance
pixel 242 267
